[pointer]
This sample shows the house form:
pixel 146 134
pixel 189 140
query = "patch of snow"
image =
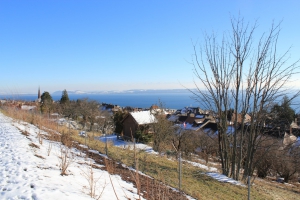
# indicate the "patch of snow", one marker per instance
pixel 223 178
pixel 27 172
pixel 125 144
pixel 173 118
pixel 212 169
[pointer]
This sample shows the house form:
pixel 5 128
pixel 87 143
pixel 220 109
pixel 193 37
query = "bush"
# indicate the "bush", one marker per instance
pixel 66 139
pixel 142 136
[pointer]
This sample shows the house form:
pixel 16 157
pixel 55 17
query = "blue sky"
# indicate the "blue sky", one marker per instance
pixel 119 45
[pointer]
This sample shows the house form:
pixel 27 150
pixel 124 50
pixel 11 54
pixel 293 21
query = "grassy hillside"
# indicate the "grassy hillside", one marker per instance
pixel 194 181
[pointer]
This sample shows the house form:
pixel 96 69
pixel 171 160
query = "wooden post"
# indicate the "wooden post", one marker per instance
pixel 249 179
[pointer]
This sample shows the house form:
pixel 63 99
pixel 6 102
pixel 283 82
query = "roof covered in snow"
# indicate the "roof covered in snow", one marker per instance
pixel 143 117
pixel 173 118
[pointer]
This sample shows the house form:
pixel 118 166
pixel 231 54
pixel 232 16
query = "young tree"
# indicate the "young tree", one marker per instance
pixel 184 141
pixel 88 110
pixel 249 76
pixel 117 118
pixel 64 104
pixel 70 109
pixel 163 132
pixel 46 102
pixel 287 162
pixel 142 135
pixel 64 97
pixel 265 155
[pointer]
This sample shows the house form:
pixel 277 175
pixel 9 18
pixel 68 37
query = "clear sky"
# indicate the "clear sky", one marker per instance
pixel 118 45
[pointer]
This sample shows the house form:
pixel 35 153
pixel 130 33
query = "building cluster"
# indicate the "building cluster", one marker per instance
pixel 188 118
pixel 197 120
pixel 116 108
pixel 18 104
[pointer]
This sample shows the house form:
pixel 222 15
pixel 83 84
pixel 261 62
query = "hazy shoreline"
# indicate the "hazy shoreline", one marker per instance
pixel 174 99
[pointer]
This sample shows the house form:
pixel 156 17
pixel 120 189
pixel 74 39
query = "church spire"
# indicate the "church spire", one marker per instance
pixel 39 95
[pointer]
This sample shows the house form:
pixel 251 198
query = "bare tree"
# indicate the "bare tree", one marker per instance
pixel 88 111
pixel 245 75
pixel 163 133
pixel 184 141
pixel 207 144
pixel 265 155
pixel 286 161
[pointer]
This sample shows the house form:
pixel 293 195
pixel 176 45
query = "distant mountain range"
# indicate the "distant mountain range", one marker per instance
pixel 80 92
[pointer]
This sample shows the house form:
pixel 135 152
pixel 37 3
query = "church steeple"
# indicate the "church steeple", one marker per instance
pixel 39 95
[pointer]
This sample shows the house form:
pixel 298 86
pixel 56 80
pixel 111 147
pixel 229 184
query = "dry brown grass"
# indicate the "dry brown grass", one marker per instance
pixel 65 158
pixel 94 189
pixel 277 190
pixel 24 133
pixel 39 156
pixel 194 182
pixel 49 147
pixel 34 145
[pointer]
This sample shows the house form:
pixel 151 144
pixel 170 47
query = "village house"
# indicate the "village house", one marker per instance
pixel 135 121
pixel 240 118
pixel 28 107
pixel 110 108
pixel 20 105
pixel 191 118
pixel 156 110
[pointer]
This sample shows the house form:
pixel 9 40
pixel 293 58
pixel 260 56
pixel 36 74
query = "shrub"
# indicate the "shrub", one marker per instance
pixel 142 136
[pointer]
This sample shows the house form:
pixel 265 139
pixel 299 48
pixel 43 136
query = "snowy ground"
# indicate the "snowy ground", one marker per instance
pixel 212 171
pixel 126 144
pixel 223 178
pixel 27 172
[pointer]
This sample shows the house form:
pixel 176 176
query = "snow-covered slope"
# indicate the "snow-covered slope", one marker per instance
pixel 27 172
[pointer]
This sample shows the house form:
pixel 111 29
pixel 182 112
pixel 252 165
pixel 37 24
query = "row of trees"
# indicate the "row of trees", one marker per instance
pixel 85 111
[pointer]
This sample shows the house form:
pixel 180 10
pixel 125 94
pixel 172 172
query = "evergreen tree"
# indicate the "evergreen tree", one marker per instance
pixel 117 118
pixel 46 98
pixel 64 97
pixel 283 114
pixel 46 102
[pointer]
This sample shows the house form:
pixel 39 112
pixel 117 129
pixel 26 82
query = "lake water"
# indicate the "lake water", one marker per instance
pixel 171 100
